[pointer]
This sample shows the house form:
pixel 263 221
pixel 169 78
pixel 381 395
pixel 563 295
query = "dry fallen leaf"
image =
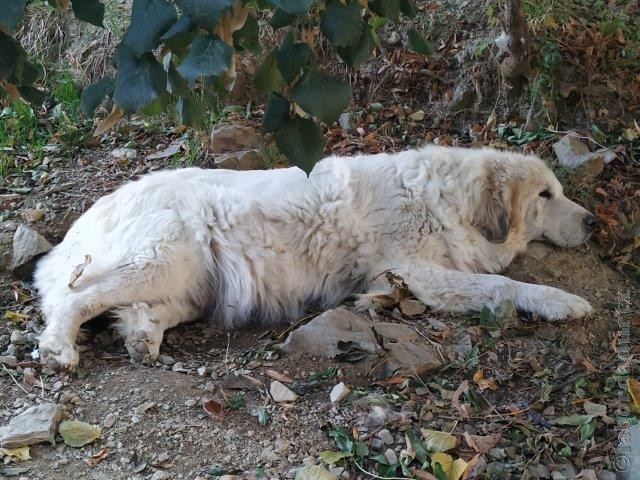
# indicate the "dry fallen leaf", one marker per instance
pixel 21 453
pixel 214 408
pixel 633 386
pixel 97 457
pixel 281 377
pixel 114 117
pixel 482 443
pixel 484 383
pixel 455 402
pixel 77 434
pixel 453 469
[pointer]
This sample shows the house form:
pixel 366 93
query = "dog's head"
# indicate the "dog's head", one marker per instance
pixel 522 200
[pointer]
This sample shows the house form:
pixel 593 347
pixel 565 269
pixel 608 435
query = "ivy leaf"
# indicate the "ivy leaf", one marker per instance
pixel 322 96
pixel 268 78
pixel 149 20
pixel 180 35
pixel 343 439
pixel 386 8
pixel 248 37
pixel 93 95
pixel 356 55
pixel 419 44
pixel 302 141
pixel 295 7
pixel 452 469
pixel 281 19
pixel 139 80
pixel 90 11
pixel 292 57
pixel 205 13
pixel 189 111
pixel 408 8
pixel 276 113
pixel 587 430
pixel 342 24
pixel 11 13
pixel 208 55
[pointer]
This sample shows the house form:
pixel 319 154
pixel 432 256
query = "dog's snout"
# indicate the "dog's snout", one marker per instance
pixel 591 222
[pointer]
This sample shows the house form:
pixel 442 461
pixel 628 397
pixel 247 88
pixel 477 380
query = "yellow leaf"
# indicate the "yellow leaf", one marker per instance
pixel 453 469
pixel 550 22
pixel 77 434
pixel 435 441
pixel 21 453
pixel 633 386
pixel 14 316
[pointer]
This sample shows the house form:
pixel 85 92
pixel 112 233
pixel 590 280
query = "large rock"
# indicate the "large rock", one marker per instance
pixel 35 425
pixel 240 160
pixel 28 246
pixel 334 333
pixel 394 332
pixel 572 152
pixel 229 138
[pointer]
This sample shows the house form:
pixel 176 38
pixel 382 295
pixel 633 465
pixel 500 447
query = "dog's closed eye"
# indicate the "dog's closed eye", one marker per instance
pixel 545 193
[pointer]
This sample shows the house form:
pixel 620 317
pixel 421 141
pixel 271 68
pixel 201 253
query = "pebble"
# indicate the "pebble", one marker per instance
pixel 160 475
pixel 385 436
pixel 18 338
pixel 339 393
pixel 191 402
pixel 281 393
pixel 9 360
pixel 109 420
pixel 178 367
pixel 202 371
pixel 376 443
pixel 166 360
pixel 391 456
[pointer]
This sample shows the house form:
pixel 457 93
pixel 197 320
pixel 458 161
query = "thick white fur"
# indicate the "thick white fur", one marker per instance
pixel 261 246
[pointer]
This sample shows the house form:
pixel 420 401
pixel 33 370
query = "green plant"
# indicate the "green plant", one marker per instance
pixel 67 94
pixel 199 42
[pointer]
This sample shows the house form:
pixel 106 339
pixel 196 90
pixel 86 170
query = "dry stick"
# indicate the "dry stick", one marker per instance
pixel 14 380
pixel 376 476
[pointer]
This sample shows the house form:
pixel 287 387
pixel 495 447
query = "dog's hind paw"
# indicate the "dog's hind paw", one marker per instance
pixel 58 355
pixel 141 348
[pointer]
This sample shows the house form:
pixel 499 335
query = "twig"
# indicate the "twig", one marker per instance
pixel 226 353
pixel 41 387
pixel 376 476
pixel 14 380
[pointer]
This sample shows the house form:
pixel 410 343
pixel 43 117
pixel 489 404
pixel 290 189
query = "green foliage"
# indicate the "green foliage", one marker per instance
pixel 175 54
pixel 67 94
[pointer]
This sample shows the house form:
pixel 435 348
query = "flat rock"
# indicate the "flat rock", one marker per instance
pixel 240 160
pixel 331 334
pixel 411 307
pixel 572 152
pixel 28 245
pixel 339 392
pixel 35 425
pixel 411 358
pixel 394 332
pixel 128 153
pixel 241 382
pixel 280 393
pixel 229 138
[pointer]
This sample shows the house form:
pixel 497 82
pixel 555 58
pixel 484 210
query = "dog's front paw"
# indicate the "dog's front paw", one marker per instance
pixel 141 348
pixel 58 354
pixel 556 304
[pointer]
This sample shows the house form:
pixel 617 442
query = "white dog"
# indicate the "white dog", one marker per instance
pixel 261 246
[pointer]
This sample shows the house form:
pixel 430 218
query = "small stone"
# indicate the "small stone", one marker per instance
pixel 345 121
pixel 191 402
pixel 411 358
pixel 376 443
pixel 32 214
pixel 109 420
pixel 135 419
pixel 202 371
pixel 463 97
pixel 251 159
pixel 161 475
pixel 394 332
pixel 391 456
pixel 9 360
pixel 280 393
pixel 209 387
pixel 28 245
pixel 128 153
pixel 417 116
pixel 35 425
pixel 339 393
pixel 177 367
pixel 385 436
pixel 411 307
pixel 18 338
pixel 166 360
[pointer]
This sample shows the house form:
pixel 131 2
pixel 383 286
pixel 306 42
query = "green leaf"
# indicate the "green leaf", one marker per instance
pixel 208 55
pixel 360 449
pixel 205 13
pixel 295 7
pixel 90 11
pixel 189 111
pixel 387 470
pixel 158 106
pixel 216 470
pixel 139 80
pixel 11 13
pixel 356 55
pixel 93 95
pixel 435 441
pixel 342 24
pixel 248 37
pixel 573 420
pixel 419 44
pixel 149 20
pixel 330 457
pixel 416 445
pixel 32 94
pixel 276 113
pixel 281 19
pixel 268 78
pixel 408 8
pixel 325 374
pixel 176 84
pixel 292 57
pixel 341 437
pixel 587 430
pixel 386 8
pixel 12 471
pixel 322 96
pixel 262 414
pixel 314 472
pixel 77 434
pixel 180 35
pixel 238 401
pixel 12 57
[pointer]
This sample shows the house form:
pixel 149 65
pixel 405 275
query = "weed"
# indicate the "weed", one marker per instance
pixel 273 157
pixel 67 94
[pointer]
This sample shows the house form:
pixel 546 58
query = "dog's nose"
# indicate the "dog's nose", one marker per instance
pixel 591 222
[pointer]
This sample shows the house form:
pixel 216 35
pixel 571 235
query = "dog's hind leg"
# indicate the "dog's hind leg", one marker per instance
pixel 143 326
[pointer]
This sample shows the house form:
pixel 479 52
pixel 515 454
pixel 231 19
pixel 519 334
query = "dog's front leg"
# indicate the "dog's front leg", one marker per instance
pixel 454 291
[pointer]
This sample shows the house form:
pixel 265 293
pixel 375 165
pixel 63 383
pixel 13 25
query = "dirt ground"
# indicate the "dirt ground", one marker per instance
pixel 154 425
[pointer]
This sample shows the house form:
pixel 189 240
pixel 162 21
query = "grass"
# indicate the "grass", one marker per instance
pixel 67 94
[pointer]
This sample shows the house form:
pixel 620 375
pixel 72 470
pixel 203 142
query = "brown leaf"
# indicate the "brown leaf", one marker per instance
pixel 281 377
pixel 475 467
pixel 107 124
pixel 214 408
pixel 482 443
pixel 422 475
pixel 97 457
pixel 77 271
pixel 11 89
pixel 579 358
pixel 484 383
pixel 455 400
pixel 608 214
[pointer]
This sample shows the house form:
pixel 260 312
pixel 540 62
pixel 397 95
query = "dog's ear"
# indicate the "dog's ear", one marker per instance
pixel 492 216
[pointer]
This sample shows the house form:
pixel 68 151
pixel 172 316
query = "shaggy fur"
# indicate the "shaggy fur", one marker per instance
pixel 262 246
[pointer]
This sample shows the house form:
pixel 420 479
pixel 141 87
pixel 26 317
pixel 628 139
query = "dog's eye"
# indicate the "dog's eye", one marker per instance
pixel 545 194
